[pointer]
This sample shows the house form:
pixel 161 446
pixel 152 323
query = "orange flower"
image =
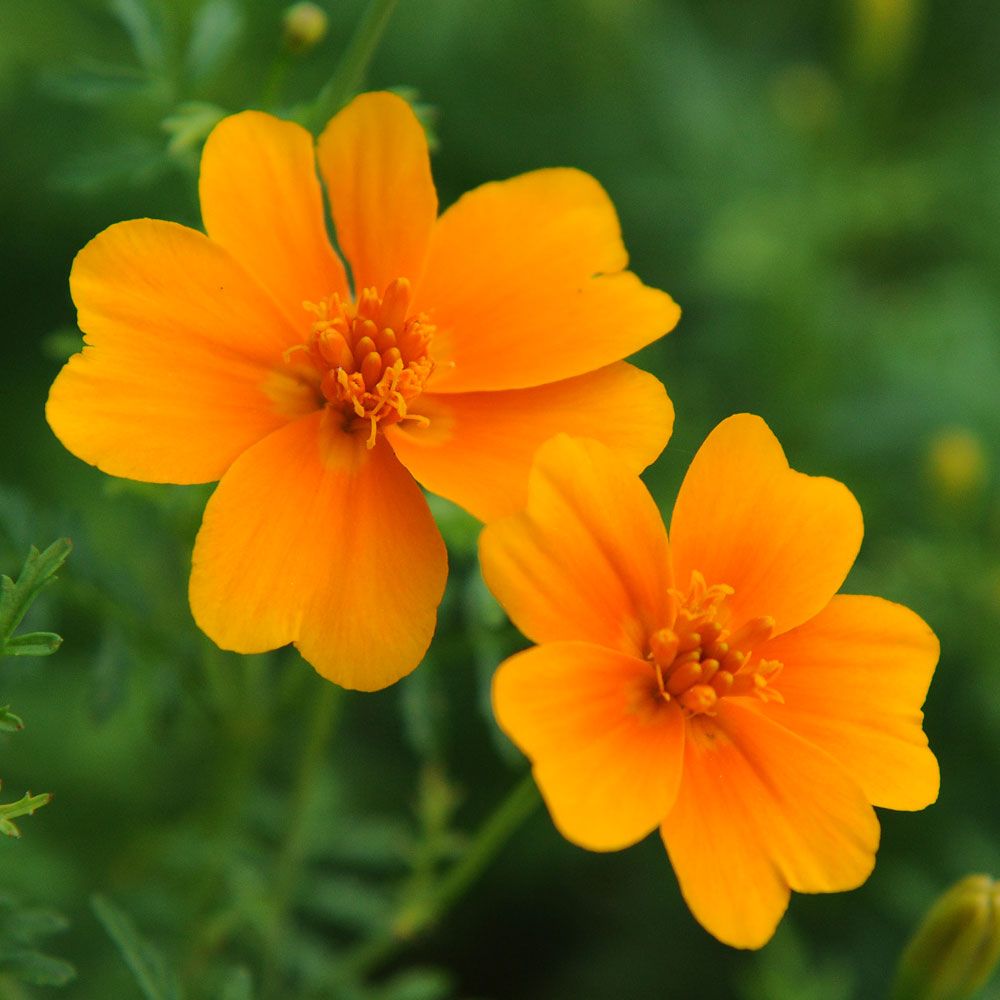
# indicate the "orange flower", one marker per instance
pixel 243 355
pixel 715 687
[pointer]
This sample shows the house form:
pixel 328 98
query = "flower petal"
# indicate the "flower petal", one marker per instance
pixel 374 160
pixel 588 557
pixel 478 447
pixel 853 681
pixel 759 811
pixel 525 285
pixel 181 373
pixel 313 538
pixel 783 540
pixel 261 200
pixel 607 755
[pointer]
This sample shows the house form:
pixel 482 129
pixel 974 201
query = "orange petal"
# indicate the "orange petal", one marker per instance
pixel 760 811
pixel 606 751
pixel 313 538
pixel 853 681
pixel 374 161
pixel 477 449
pixel 588 557
pixel 525 285
pixel 783 540
pixel 261 200
pixel 179 377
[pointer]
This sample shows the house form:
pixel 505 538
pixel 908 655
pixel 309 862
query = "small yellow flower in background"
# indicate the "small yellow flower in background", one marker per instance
pixel 957 465
pixel 244 356
pixel 305 25
pixel 715 686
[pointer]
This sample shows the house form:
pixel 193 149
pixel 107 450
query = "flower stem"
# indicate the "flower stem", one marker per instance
pixel 350 72
pixel 292 855
pixel 416 915
pixel 270 96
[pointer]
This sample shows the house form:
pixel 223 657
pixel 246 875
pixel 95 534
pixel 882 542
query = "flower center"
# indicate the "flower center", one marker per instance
pixel 698 660
pixel 371 357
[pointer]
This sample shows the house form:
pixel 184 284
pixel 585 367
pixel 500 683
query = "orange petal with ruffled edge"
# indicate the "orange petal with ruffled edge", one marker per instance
pixel 182 371
pixel 261 200
pixel 606 750
pixel 853 681
pixel 315 539
pixel 783 540
pixel 587 559
pixel 761 811
pixel 525 284
pixel 374 161
pixel 477 448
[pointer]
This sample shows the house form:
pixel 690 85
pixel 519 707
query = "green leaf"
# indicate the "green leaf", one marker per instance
pixel 145 31
pixel 36 969
pixel 156 980
pixel 33 644
pixel 26 926
pixel 217 27
pixel 96 83
pixel 24 806
pixel 347 902
pixel 133 160
pixel 16 598
pixel 189 125
pixel 20 931
pixel 9 722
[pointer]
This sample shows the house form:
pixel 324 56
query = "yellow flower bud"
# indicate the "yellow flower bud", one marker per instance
pixel 957 947
pixel 956 464
pixel 884 35
pixel 305 27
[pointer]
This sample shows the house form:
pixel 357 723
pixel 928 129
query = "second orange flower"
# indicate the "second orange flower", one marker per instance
pixel 714 685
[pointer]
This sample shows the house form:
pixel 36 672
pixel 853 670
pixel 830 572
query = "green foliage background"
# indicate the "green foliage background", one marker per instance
pixel 818 185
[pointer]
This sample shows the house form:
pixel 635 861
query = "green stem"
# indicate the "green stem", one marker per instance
pixel 350 72
pixel 241 700
pixel 417 915
pixel 270 96
pixel 291 857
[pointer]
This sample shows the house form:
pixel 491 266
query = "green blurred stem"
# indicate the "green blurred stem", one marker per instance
pixel 292 856
pixel 416 915
pixel 240 696
pixel 270 96
pixel 353 65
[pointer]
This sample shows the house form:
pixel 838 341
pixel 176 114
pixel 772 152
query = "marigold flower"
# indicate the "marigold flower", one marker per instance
pixel 243 355
pixel 716 686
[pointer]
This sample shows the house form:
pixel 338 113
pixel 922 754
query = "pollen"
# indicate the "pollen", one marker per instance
pixel 371 358
pixel 699 660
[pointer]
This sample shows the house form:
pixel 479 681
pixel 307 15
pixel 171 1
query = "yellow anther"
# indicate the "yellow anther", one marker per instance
pixel 699 654
pixel 663 646
pixel 371 359
pixel 681 677
pixel 699 699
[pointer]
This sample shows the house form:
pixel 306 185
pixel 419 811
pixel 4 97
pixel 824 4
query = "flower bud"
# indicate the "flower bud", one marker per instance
pixel 956 464
pixel 885 34
pixel 957 947
pixel 304 27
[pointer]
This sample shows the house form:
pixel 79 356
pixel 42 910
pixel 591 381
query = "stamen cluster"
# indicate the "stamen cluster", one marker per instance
pixel 699 660
pixel 372 357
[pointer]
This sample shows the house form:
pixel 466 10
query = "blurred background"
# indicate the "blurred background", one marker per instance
pixel 817 184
